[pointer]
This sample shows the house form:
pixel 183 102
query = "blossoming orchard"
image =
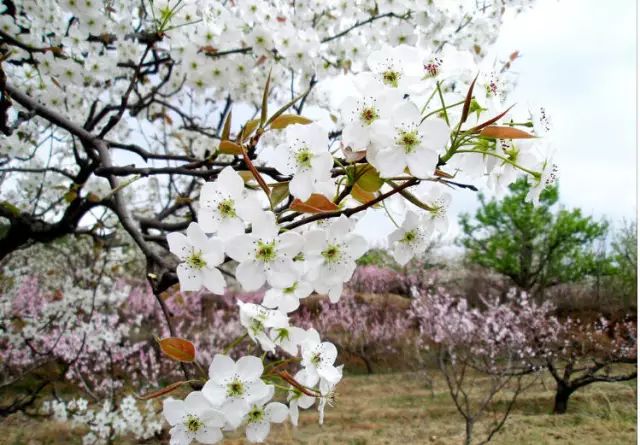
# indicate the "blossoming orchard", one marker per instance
pixel 230 149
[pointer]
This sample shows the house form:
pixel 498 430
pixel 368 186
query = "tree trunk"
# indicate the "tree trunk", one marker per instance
pixel 468 432
pixel 563 392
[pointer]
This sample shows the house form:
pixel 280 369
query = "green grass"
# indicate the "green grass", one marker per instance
pixel 401 408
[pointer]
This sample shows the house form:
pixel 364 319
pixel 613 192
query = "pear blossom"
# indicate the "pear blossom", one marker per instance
pixel 396 67
pixel 225 205
pixel 288 338
pixel 199 255
pixel 261 416
pixel 331 255
pixel 407 141
pixel 287 299
pixel 264 255
pixel 410 239
pixel 306 156
pixel 318 358
pixel 326 388
pixel 233 386
pixel 257 319
pixel 297 399
pixel 359 112
pixel 548 177
pixel 193 418
pixel 439 201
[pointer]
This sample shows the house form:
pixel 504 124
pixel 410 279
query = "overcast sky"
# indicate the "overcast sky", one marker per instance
pixel 578 60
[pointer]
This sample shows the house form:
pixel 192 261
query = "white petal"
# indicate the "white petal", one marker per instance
pixel 209 435
pixel 173 410
pixel 179 245
pixel 213 280
pixel 229 227
pixel 241 247
pixel 301 186
pixel 249 368
pixel 290 243
pixel 248 207
pixel 315 241
pixel 250 274
pixel 214 393
pixel 196 236
pixel 257 432
pixel 213 251
pixel 231 182
pixel 190 278
pixel 422 162
pixel 235 410
pixel 276 412
pixel 222 369
pixel 407 113
pixel 391 162
pixel 196 403
pixel 436 133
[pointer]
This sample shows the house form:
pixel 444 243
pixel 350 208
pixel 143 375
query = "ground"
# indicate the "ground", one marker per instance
pixel 401 408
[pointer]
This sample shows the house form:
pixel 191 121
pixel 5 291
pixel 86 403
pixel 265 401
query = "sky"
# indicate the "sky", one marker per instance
pixel 578 60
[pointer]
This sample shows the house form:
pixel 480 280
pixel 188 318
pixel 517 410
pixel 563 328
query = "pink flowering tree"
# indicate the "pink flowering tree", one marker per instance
pixel 499 342
pixel 585 353
pixel 211 138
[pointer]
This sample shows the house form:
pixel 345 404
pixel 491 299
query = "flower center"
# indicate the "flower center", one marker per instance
pixel 433 68
pixel 196 261
pixel 235 388
pixel 255 415
pixel 193 423
pixel 256 326
pixel 291 289
pixel 409 140
pixel 409 237
pixel 227 208
pixel 368 115
pixel 391 78
pixel 331 254
pixel 266 252
pixel 303 158
pixel 316 359
pixel 283 334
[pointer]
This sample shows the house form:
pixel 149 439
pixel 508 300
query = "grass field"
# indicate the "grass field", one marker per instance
pixel 401 408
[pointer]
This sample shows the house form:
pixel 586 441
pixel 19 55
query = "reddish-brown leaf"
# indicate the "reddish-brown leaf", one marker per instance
pixel 178 349
pixel 317 203
pixel 501 132
pixel 467 101
pixel 490 121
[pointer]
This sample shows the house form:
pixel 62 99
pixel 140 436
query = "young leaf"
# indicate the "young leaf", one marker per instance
pixel 285 120
pixel 467 101
pixel 248 129
pixel 317 203
pixel 490 121
pixel 368 179
pixel 229 148
pixel 279 192
pixel 265 98
pixel 361 195
pixel 163 391
pixel 178 349
pixel 226 130
pixel 500 132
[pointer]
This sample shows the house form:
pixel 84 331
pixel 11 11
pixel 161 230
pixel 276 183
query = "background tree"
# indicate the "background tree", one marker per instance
pixel 535 246
pixel 625 258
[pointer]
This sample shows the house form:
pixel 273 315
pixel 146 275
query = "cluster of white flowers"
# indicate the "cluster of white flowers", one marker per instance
pixel 105 422
pixel 403 134
pixel 237 393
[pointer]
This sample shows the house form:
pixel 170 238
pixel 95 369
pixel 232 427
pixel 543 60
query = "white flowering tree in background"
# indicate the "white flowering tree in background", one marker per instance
pixel 220 140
